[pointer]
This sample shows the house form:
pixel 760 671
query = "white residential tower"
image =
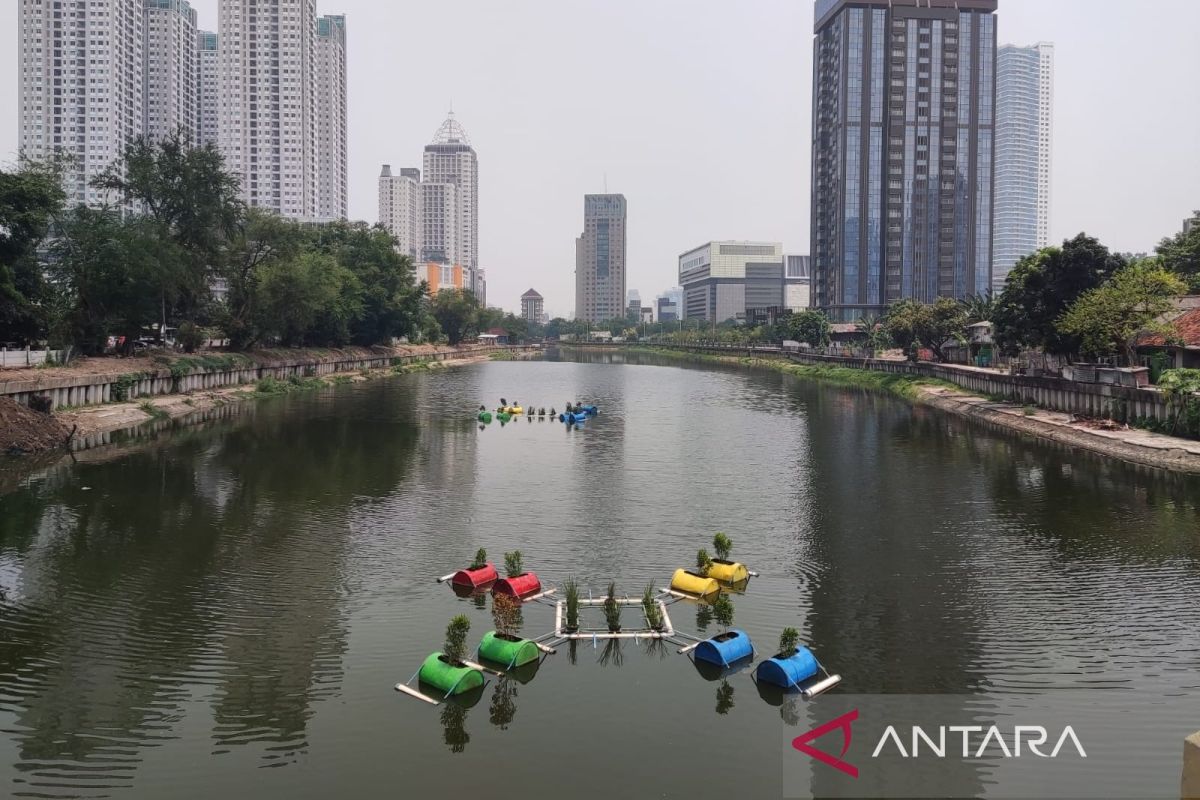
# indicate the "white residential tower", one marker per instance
pixel 207 87
pixel 331 118
pixel 400 208
pixel 172 66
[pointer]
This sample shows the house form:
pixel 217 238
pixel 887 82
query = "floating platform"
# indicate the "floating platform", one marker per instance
pixel 450 679
pixel 731 572
pixel 797 671
pixel 475 578
pixel 694 585
pixel 724 649
pixel 522 585
pixel 591 411
pixel 503 416
pixel 572 418
pixel 511 651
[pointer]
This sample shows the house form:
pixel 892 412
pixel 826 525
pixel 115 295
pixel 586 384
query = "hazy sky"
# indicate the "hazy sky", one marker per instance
pixel 698 112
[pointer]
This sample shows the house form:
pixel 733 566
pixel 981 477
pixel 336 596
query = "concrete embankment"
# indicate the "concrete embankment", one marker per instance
pixel 1048 408
pixel 105 395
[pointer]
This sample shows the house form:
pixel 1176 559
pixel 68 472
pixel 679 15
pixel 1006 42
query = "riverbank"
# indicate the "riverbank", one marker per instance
pixel 1103 437
pixel 205 383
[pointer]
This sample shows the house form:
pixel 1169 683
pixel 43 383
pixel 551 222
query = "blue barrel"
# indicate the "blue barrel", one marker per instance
pixel 591 411
pixel 724 649
pixel 788 672
pixel 572 418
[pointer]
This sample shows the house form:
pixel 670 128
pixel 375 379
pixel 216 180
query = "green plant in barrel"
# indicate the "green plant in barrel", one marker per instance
pixel 612 609
pixel 789 640
pixel 571 593
pixel 722 545
pixel 480 559
pixel 654 616
pixel 703 562
pixel 722 611
pixel 455 649
pixel 513 564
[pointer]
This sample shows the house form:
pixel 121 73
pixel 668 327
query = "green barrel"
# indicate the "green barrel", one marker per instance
pixel 510 652
pixel 485 416
pixel 448 678
pixel 503 417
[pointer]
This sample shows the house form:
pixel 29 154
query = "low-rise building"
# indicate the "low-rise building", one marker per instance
pixel 723 280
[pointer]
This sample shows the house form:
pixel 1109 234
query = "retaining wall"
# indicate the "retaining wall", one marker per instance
pixel 87 390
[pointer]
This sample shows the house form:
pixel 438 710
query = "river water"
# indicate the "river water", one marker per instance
pixel 223 610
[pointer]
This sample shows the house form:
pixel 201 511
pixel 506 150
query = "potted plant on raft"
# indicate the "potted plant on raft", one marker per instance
pixel 723 545
pixel 571 596
pixel 517 582
pixel 696 581
pixel 789 640
pixel 612 609
pixel 723 569
pixel 654 617
pixel 480 573
pixel 446 671
pixel 704 563
pixel 454 649
pixel 503 646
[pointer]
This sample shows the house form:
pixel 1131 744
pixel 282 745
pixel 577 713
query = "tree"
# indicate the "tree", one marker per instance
pixel 1109 319
pixel 456 311
pixel 31 196
pixel 262 242
pixel 187 192
pixel 1181 254
pixel 912 323
pixel 306 301
pixel 875 333
pixel 1042 286
pixel 980 307
pixel 809 327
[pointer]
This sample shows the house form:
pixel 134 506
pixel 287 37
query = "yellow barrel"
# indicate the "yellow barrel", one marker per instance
pixel 695 585
pixel 728 571
pixel 514 410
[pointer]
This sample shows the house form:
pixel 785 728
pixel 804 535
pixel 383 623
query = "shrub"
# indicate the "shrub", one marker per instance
pixel 653 612
pixel 789 640
pixel 480 559
pixel 455 648
pixel 723 545
pixel 506 614
pixel 512 564
pixel 703 562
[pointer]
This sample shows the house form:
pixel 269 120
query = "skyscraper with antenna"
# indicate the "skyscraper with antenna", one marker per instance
pixel 450 159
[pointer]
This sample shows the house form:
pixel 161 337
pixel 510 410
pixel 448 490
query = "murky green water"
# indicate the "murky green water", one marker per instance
pixel 223 611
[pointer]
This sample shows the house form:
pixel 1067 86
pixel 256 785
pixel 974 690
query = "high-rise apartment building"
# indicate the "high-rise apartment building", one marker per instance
pixel 400 208
pixel 600 259
pixel 171 71
pixel 207 88
pixel 440 220
pixel 82 84
pixel 532 307
pixel 332 200
pixel 1024 140
pixel 268 120
pixel 451 160
pixel 902 160
pixel 1189 224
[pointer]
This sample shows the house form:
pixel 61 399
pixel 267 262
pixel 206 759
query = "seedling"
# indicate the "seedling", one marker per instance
pixel 723 545
pixel 789 640
pixel 456 639
pixel 612 609
pixel 703 563
pixel 571 592
pixel 653 612
pixel 480 559
pixel 512 564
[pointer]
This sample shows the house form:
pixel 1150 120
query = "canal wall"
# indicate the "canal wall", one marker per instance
pixel 1094 400
pixel 94 389
pixel 1190 785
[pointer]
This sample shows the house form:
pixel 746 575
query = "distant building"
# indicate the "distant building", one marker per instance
pixel 902 158
pixel 1024 139
pixel 721 280
pixel 450 160
pixel 600 259
pixel 441 276
pixel 797 282
pixel 208 88
pixel 330 76
pixel 1194 222
pixel 647 314
pixel 172 66
pixel 400 208
pixel 440 223
pixel 532 307
pixel 669 305
pixel 633 305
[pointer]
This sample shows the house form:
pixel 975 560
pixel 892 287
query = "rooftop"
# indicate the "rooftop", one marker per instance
pixel 827 9
pixel 451 132
pixel 531 294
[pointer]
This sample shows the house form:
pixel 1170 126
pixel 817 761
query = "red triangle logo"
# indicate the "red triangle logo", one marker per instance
pixel 842 723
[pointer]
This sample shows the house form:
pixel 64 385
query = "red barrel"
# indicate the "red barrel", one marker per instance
pixel 475 577
pixel 521 585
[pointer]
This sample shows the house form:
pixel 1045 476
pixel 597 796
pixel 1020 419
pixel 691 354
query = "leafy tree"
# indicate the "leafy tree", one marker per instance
pixel 1181 254
pixel 980 307
pixel 306 301
pixel 874 332
pixel 263 242
pixel 31 196
pixel 1042 286
pixel 456 311
pixel 808 327
pixel 910 323
pixel 1107 320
